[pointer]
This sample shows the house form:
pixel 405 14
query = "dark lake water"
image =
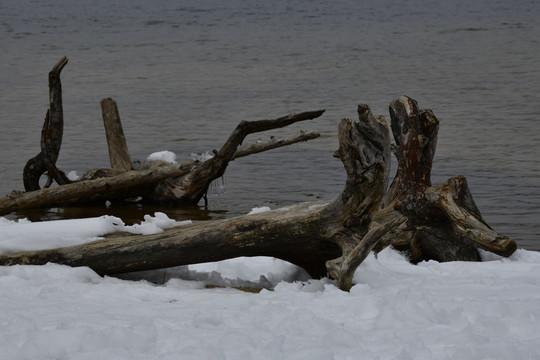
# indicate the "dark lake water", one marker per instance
pixel 184 73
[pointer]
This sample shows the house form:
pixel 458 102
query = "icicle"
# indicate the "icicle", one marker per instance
pixel 217 187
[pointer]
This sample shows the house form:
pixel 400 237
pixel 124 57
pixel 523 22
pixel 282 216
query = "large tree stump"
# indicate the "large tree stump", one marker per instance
pixel 443 222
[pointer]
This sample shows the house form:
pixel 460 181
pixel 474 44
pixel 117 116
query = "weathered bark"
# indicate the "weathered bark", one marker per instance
pixel 443 222
pixel 292 235
pixel 454 199
pixel 330 238
pixel 51 137
pixel 87 190
pixel 116 141
pixel 273 143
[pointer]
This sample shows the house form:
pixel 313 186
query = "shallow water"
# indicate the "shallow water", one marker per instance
pixel 185 73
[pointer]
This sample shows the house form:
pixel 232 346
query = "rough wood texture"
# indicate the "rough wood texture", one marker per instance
pixel 443 222
pixel 51 137
pixel 116 141
pixel 273 143
pixel 87 190
pixel 454 199
pixel 200 242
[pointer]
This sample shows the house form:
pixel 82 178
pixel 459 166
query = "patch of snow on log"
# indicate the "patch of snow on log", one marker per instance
pixel 23 235
pixel 165 155
pixel 154 224
pixel 317 206
pixel 73 175
pixel 258 210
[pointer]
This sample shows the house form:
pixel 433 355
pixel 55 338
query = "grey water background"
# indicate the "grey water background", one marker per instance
pixel 184 73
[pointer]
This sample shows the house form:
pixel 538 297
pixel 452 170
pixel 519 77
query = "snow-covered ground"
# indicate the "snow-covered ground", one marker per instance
pixel 459 310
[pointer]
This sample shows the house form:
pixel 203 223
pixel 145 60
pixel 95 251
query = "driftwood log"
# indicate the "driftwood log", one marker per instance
pixel 157 182
pixel 109 184
pixel 325 238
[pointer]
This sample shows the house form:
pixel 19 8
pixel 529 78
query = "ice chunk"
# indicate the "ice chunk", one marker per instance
pixel 202 157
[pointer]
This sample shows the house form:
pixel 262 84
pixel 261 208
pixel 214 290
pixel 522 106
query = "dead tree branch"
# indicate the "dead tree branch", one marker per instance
pixel 51 137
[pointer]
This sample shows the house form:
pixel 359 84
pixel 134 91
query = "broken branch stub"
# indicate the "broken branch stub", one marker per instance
pixel 116 141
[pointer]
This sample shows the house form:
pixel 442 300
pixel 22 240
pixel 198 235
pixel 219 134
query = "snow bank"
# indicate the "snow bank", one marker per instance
pixel 396 310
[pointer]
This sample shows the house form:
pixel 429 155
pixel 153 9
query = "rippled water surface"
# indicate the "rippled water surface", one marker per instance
pixel 184 73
